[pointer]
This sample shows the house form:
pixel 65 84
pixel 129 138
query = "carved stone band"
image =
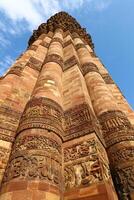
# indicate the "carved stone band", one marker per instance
pixel 35 64
pixel 55 58
pixel 116 127
pixel 80 45
pixel 89 67
pixel 57 39
pixel 44 44
pixel 68 43
pixel 42 113
pixel 70 63
pixel 78 121
pixel 33 165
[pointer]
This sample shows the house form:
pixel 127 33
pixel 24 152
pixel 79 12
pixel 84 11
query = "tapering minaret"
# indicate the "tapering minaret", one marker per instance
pixel 66 129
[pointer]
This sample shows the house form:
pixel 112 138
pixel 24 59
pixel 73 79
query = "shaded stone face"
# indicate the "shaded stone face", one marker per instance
pixel 66 131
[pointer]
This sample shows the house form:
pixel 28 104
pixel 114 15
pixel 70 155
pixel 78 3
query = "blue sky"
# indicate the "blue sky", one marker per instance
pixel 110 23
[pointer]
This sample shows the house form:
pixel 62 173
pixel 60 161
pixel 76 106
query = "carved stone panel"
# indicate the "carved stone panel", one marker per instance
pixel 81 165
pixel 78 121
pixel 42 113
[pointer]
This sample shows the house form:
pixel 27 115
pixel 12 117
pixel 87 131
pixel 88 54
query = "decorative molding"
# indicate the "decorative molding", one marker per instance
pixel 42 113
pixel 37 142
pixel 33 165
pixel 55 58
pixel 64 21
pixel 89 67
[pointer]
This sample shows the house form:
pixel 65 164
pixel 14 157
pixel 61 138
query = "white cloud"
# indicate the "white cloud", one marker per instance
pixel 34 12
pixel 4 42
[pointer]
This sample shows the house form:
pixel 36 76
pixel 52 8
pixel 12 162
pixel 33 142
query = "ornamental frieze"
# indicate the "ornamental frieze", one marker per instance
pixel 116 127
pixel 121 154
pixel 42 113
pixel 113 121
pixel 34 63
pixel 55 58
pixel 33 166
pixel 37 142
pixel 89 67
pixel 80 150
pixel 78 121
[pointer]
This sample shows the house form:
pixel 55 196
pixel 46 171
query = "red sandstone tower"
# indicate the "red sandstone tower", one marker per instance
pixel 66 131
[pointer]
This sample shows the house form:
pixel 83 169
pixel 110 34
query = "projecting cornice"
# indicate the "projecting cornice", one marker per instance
pixel 64 21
